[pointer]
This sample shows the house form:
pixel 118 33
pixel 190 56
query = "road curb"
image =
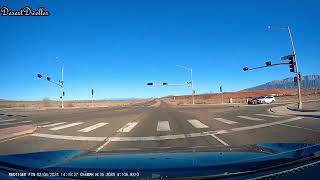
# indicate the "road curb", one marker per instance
pixel 16 131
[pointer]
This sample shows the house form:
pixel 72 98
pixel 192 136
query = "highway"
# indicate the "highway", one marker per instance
pixel 155 126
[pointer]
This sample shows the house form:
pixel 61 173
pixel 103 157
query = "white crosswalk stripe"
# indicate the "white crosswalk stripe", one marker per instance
pixel 54 124
pixel 225 121
pixel 268 115
pixel 42 123
pixel 8 120
pixel 10 123
pixel 66 126
pixel 163 126
pixel 128 127
pixel 197 124
pixel 93 127
pixel 250 118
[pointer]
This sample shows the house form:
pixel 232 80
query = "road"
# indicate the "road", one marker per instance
pixel 155 126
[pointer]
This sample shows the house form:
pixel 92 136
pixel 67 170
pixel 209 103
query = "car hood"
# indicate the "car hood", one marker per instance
pixel 172 164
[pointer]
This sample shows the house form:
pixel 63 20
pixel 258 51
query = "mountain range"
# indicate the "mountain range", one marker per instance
pixel 307 82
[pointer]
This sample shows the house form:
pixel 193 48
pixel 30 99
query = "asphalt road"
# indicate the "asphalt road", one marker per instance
pixel 155 126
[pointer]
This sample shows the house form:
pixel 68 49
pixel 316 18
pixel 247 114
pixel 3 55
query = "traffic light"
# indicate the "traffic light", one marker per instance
pixel 291 63
pixel 164 84
pixel 268 63
pixel 245 69
pixel 63 93
pixel 48 78
pixel 149 84
pixel 295 78
pixel 39 75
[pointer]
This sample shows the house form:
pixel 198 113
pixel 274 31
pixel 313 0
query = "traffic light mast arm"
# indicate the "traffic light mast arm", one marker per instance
pixel 56 83
pixel 278 64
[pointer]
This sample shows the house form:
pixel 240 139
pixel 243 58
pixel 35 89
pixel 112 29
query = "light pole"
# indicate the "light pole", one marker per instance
pixel 62 82
pixel 192 87
pixel 295 61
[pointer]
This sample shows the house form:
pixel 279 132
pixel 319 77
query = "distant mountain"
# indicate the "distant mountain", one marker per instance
pixel 307 82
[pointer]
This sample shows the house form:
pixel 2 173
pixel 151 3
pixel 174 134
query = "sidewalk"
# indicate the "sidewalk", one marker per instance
pixel 293 110
pixel 6 133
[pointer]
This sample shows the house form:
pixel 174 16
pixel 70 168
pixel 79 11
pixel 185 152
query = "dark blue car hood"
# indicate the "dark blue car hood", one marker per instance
pixel 170 164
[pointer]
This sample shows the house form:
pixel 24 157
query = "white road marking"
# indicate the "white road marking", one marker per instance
pixel 225 121
pixel 166 137
pixel 250 118
pixel 65 126
pixel 266 124
pixel 103 145
pixel 163 126
pixel 93 127
pixel 7 120
pixel 197 124
pixel 77 138
pixel 299 127
pixel 220 140
pixel 128 127
pixel 54 124
pixel 42 123
pixel 268 115
pixel 20 122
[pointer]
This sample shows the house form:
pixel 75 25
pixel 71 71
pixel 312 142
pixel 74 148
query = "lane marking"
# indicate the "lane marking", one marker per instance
pixel 103 145
pixel 197 124
pixel 250 118
pixel 220 140
pixel 20 122
pixel 42 123
pixel 225 121
pixel 54 124
pixel 163 126
pixel 66 126
pixel 299 127
pixel 8 120
pixel 268 115
pixel 93 127
pixel 166 137
pixel 128 127
pixel 266 124
pixel 78 138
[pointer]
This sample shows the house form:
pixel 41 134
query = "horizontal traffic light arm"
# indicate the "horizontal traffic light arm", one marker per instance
pixel 50 80
pixel 278 64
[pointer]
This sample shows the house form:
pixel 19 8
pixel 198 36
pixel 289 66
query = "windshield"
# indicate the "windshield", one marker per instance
pixel 158 76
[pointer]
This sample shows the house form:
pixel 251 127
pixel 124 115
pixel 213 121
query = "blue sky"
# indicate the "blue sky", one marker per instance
pixel 116 47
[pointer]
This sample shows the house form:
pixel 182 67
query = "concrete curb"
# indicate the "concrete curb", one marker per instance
pixel 12 132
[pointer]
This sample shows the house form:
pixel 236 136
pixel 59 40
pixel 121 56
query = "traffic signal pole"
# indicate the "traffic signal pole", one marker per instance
pixel 296 69
pixel 62 84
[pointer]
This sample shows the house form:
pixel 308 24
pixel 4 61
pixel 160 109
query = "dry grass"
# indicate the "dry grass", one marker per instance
pixel 282 95
pixel 46 103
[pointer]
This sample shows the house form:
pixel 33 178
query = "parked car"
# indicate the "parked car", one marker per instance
pixel 266 100
pixel 253 101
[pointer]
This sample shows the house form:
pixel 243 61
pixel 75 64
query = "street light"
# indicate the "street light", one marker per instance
pixel 62 82
pixel 191 81
pixel 294 60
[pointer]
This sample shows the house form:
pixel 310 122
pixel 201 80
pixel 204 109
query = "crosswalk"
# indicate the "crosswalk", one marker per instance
pixel 161 126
